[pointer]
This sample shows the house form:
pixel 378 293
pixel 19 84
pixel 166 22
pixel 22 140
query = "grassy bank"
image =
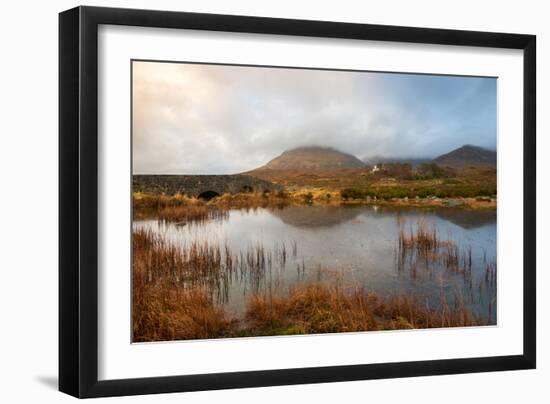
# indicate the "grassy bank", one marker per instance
pixel 183 208
pixel 164 312
pixel 468 182
pixel 322 308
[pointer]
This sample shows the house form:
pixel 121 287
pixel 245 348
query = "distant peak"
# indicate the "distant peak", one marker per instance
pixel 471 146
pixel 313 148
pixel 313 157
pixel 468 156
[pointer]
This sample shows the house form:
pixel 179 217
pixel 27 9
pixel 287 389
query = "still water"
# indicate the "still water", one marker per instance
pixel 354 245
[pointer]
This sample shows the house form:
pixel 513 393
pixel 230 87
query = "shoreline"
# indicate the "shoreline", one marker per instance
pixel 305 198
pixel 450 203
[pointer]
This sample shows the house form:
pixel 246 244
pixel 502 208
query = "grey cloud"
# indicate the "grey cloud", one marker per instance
pixel 225 119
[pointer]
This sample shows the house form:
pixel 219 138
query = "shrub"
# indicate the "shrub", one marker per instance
pixel 282 194
pixel 428 171
pixel 308 198
pixel 425 192
pixel 352 193
pixel 398 170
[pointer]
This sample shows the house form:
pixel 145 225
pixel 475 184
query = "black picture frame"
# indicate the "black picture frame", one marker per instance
pixel 78 201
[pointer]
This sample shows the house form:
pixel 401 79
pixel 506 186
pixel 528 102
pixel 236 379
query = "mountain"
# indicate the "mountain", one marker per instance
pixel 468 156
pixel 413 161
pixel 313 158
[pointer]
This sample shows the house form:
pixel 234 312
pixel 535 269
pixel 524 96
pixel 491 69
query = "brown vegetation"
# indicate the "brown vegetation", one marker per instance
pixel 178 294
pixel 245 200
pixel 394 182
pixel 148 200
pixel 421 247
pixel 322 308
pixel 173 207
pixel 171 290
pixel 191 213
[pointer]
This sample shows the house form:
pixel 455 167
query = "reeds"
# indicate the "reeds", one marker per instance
pixel 179 291
pixel 248 200
pixel 184 215
pixel 210 265
pixel 423 243
pixel 162 312
pixel 424 239
pixel 143 200
pixel 421 252
pixel 148 205
pixel 322 308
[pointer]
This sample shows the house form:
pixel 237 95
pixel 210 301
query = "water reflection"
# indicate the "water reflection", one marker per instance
pixel 273 249
pixel 316 216
pixel 468 219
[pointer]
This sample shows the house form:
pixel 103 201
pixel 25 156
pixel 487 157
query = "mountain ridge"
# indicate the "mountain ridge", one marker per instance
pixel 468 156
pixel 312 157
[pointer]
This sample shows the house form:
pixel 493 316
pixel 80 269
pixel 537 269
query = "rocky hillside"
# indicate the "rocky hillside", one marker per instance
pixel 468 156
pixel 313 158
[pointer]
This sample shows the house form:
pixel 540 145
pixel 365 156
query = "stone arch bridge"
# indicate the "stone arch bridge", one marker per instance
pixel 203 186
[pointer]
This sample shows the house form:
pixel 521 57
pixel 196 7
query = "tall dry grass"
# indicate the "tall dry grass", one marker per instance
pixel 179 292
pixel 164 312
pixel 148 205
pixel 421 252
pixel 323 308
pixel 148 200
pixel 191 214
pixel 203 264
pixel 250 200
pixel 172 291
pixel 423 238
pixel 423 242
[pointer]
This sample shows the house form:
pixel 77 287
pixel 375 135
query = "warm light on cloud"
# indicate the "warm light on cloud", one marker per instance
pixel 209 119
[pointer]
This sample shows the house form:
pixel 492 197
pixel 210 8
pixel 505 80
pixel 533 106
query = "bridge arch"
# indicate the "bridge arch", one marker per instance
pixel 199 185
pixel 207 195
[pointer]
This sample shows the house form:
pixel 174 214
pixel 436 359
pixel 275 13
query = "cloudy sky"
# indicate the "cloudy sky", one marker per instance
pixel 208 119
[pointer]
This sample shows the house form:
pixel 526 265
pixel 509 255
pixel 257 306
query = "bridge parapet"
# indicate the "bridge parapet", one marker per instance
pixel 195 185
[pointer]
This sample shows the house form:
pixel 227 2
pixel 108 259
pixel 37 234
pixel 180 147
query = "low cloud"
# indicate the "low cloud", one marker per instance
pixel 208 119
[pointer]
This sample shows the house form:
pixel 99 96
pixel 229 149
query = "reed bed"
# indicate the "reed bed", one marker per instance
pixel 211 265
pixel 252 200
pixel 179 292
pixel 198 265
pixel 424 239
pixel 148 205
pixel 422 253
pixel 167 313
pixel 145 200
pixel 324 308
pixel 423 243
pixel 162 312
pixel 183 215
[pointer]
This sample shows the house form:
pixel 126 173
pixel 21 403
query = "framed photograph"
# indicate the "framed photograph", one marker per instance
pixel 251 201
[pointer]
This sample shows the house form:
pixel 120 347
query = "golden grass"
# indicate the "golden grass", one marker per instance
pixel 171 291
pixel 322 308
pixel 191 213
pixel 158 201
pixel 162 312
pixel 244 200
pixel 150 205
pixel 423 239
pixel 203 264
